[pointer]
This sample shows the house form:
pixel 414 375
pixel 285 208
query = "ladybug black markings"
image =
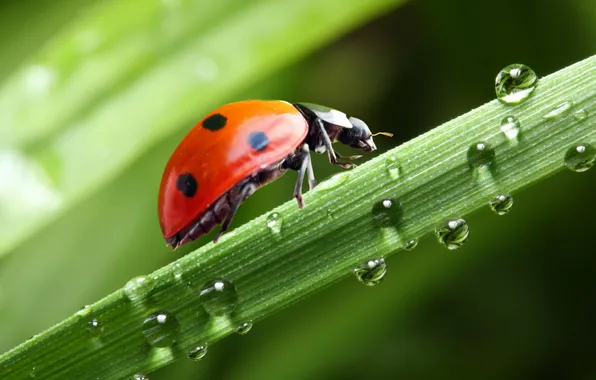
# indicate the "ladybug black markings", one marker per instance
pixel 215 122
pixel 187 184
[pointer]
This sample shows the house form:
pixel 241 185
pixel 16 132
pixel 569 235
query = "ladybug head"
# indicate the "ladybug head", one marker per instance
pixel 359 136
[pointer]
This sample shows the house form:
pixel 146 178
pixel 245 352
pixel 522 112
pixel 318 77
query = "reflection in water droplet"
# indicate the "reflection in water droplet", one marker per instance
pixel 559 110
pixel 392 166
pixel 515 83
pixel 161 329
pixel 387 212
pixel 501 203
pixel 138 288
pixel 411 244
pixel 94 327
pixel 39 80
pixel 580 157
pixel 197 353
pixel 274 223
pixel 244 328
pixel 480 154
pixel 453 233
pixel 372 272
pixel 580 114
pixel 510 127
pixel 219 297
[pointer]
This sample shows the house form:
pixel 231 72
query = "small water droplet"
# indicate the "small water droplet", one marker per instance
pixel 410 245
pixel 33 372
pixel 177 271
pixel 580 157
pixel 387 212
pixel 372 272
pixel 138 288
pixel 480 154
pixel 84 311
pixel 581 114
pixel 94 327
pixel 559 110
pixel 161 329
pixel 274 223
pixel 329 214
pixel 392 166
pixel 138 376
pixel 515 83
pixel 333 182
pixel 244 328
pixel 510 127
pixel 501 203
pixel 453 233
pixel 219 297
pixel 197 353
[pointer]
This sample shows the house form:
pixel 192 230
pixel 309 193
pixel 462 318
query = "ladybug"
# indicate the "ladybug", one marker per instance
pixel 240 147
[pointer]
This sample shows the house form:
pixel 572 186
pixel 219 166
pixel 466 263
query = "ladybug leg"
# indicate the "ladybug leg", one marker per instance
pixel 329 147
pixel 348 158
pixel 246 191
pixel 311 175
pixel 301 162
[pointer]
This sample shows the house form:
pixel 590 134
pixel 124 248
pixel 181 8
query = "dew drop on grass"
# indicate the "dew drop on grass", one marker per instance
pixel 138 288
pixel 411 244
pixel 510 127
pixel 244 328
pixel 94 327
pixel 274 223
pixel 558 111
pixel 580 157
pixel 372 272
pixel 84 311
pixel 480 154
pixel 515 83
pixel 161 329
pixel 580 114
pixel 219 297
pixel 33 372
pixel 392 166
pixel 453 233
pixel 197 353
pixel 138 376
pixel 387 212
pixel 501 203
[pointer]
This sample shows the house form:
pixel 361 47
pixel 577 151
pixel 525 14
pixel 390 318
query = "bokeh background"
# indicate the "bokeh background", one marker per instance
pixel 517 302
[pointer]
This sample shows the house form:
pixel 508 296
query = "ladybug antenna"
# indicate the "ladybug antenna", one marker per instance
pixel 382 134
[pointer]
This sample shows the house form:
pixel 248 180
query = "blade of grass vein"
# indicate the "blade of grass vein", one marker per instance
pixel 166 97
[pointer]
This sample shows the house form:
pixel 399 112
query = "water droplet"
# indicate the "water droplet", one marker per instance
pixel 387 212
pixel 219 297
pixel 558 110
pixel 392 166
pixel 510 127
pixel 453 233
pixel 580 114
pixel 138 288
pixel 580 157
pixel 94 327
pixel 197 353
pixel 161 329
pixel 177 271
pixel 480 154
pixel 411 244
pixel 39 80
pixel 244 328
pixel 138 376
pixel 33 372
pixel 372 272
pixel 501 203
pixel 274 223
pixel 84 311
pixel 333 182
pixel 330 214
pixel 515 83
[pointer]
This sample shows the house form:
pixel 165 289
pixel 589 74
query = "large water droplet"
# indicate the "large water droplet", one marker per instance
pixel 480 154
pixel 581 114
pixel 387 212
pixel 94 327
pixel 501 203
pixel 197 353
pixel 510 127
pixel 244 328
pixel 453 233
pixel 392 166
pixel 580 157
pixel 161 329
pixel 515 83
pixel 372 272
pixel 559 110
pixel 274 223
pixel 138 288
pixel 219 297
pixel 411 244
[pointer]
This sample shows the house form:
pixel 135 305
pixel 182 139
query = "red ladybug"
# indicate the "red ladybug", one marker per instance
pixel 240 147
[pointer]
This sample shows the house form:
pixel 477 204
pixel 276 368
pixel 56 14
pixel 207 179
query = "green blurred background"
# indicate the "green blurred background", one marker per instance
pixel 517 302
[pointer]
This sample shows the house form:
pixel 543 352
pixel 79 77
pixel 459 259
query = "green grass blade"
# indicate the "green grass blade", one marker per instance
pixel 314 249
pixel 130 73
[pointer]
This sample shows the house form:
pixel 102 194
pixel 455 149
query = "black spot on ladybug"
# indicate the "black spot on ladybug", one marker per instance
pixel 215 122
pixel 258 141
pixel 187 184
